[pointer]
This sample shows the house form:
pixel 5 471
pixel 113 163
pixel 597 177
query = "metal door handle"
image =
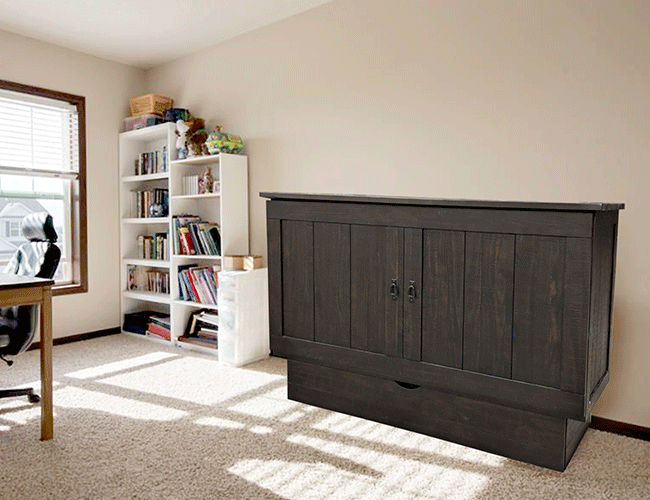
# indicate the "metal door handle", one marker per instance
pixel 411 291
pixel 394 291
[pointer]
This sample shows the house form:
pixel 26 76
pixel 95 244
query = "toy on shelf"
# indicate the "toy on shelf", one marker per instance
pixel 181 141
pixel 219 141
pixel 195 136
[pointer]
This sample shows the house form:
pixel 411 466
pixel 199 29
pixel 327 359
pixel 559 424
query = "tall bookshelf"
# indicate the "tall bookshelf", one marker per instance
pixel 227 206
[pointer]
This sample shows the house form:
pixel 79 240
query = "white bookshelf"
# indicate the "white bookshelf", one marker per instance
pixel 228 208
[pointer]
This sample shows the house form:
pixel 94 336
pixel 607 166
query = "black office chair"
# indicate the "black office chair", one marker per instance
pixel 39 257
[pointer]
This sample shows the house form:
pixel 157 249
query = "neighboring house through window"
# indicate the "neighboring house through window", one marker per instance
pixel 43 169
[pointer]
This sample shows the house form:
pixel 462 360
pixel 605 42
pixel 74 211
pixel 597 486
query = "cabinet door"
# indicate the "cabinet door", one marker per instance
pixel 376 315
pixel 489 276
pixel 550 311
pixel 443 276
pixel 298 279
pixel 332 283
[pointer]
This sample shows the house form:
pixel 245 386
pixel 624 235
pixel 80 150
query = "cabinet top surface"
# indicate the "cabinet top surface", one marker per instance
pixel 444 202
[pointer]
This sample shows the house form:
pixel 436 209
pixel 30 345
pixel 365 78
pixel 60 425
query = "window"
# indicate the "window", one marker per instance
pixel 13 229
pixel 43 168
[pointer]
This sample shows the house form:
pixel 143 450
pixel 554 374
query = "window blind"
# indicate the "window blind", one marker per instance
pixel 38 136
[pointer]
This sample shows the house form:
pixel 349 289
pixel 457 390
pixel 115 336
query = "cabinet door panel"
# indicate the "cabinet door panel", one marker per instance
pixel 443 276
pixel 539 294
pixel 550 321
pixel 298 279
pixel 489 268
pixel 376 257
pixel 412 329
pixel 332 283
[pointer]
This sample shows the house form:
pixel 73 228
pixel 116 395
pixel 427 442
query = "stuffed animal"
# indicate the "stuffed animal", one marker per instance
pixel 181 144
pixel 196 136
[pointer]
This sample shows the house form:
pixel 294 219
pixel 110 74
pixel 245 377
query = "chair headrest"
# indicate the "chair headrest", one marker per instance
pixel 39 226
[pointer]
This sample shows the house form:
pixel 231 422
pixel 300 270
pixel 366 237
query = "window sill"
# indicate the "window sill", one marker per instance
pixel 69 288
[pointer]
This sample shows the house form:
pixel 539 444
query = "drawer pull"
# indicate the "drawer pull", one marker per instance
pixel 408 386
pixel 411 292
pixel 393 289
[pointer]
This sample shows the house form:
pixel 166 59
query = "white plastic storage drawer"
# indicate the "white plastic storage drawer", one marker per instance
pixel 243 316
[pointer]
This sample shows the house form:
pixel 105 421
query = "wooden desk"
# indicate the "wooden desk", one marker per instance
pixel 23 290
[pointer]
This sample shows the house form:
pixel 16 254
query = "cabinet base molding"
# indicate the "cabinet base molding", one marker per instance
pixel 529 437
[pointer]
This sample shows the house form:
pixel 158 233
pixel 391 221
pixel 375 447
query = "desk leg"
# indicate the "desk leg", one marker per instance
pixel 47 422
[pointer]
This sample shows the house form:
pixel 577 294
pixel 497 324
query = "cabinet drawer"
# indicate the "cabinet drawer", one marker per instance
pixel 518 434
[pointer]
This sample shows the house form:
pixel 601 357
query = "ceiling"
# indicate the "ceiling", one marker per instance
pixel 142 33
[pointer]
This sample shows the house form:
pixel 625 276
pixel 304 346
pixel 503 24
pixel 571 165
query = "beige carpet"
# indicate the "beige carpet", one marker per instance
pixel 138 420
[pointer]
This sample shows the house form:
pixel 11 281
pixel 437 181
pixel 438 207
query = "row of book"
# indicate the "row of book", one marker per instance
pixel 152 322
pixel 196 184
pixel 194 236
pixel 148 280
pixel 152 162
pixel 198 283
pixel 150 203
pixel 202 329
pixel 202 326
pixel 160 326
pixel 153 246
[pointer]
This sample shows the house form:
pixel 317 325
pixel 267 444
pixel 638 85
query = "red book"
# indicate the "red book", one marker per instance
pixel 160 331
pixel 187 247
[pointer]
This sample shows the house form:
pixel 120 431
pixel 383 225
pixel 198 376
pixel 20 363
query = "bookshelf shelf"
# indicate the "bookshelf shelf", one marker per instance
pixel 199 160
pixel 196 305
pixel 195 196
pixel 197 257
pixel 147 262
pixel 145 177
pixel 228 208
pixel 158 298
pixel 146 220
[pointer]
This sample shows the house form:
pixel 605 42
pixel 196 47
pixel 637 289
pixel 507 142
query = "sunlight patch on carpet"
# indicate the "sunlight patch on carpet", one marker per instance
pixel 303 481
pixel 22 412
pixel 378 475
pixel 105 369
pixel 193 379
pixel 385 434
pixel 220 422
pixel 261 429
pixel 264 408
pixel 73 397
pixel 399 475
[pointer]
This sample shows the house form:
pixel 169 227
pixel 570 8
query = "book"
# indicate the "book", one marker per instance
pixel 203 342
pixel 216 237
pixel 187 247
pixel 209 318
pixel 207 333
pixel 163 321
pixel 159 331
pixel 185 290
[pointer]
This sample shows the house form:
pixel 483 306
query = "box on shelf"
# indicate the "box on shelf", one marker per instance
pixel 149 103
pixel 242 262
pixel 141 121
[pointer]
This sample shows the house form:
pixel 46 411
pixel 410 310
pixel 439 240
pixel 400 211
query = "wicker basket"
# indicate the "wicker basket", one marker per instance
pixel 149 103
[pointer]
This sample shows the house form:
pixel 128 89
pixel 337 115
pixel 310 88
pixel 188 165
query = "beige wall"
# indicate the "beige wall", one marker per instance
pixel 107 87
pixel 504 99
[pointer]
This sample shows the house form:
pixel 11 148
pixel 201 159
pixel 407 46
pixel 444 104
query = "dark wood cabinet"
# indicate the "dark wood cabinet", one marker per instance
pixel 483 323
